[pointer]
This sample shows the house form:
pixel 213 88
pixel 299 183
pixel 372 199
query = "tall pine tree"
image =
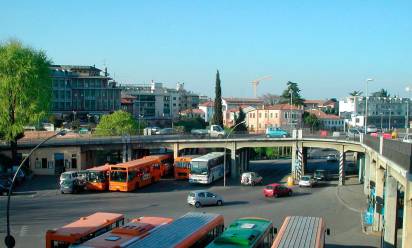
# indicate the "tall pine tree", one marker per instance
pixel 218 114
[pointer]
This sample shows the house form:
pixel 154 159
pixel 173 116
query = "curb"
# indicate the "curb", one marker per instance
pixel 344 203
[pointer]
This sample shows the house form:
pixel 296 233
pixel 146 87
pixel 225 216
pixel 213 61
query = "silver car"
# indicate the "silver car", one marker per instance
pixel 199 198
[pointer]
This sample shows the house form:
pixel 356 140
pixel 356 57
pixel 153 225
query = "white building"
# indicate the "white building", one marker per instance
pixel 208 109
pixel 385 112
pixel 154 101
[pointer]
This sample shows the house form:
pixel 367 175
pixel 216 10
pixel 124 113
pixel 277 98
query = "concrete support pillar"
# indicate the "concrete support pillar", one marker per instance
pixel 304 159
pixel 391 199
pixel 407 215
pixel 342 167
pixel 247 159
pixel 175 150
pixel 379 186
pixel 294 162
pixel 366 174
pixel 360 162
pixel 234 167
pixel 124 153
pixel 129 152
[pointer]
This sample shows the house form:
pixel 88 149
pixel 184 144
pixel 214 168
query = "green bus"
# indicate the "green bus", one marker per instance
pixel 246 232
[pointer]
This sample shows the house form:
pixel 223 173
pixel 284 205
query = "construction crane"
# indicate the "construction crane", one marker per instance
pixel 256 82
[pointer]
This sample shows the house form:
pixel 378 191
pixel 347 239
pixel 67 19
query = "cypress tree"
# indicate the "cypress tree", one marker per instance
pixel 218 113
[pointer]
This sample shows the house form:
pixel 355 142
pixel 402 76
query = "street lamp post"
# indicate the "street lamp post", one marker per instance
pixel 408 89
pixel 381 121
pixel 9 240
pixel 224 160
pixel 390 115
pixel 291 104
pixel 366 107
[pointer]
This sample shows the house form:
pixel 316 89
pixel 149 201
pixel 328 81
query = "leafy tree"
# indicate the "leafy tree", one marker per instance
pixel 25 90
pixel 117 123
pixel 355 93
pixel 293 88
pixel 187 124
pixel 381 93
pixel 311 120
pixel 218 113
pixel 240 118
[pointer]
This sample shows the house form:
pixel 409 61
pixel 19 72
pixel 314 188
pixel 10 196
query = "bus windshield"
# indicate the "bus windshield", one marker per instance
pixel 97 176
pixel 182 164
pixel 199 167
pixel 118 176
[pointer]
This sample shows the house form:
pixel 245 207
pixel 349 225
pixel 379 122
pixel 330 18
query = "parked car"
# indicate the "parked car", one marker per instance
pixel 71 186
pixel 353 133
pixel 199 198
pixel 212 131
pixel 68 176
pixel 321 175
pixel 331 157
pixel 371 129
pixel 250 178
pixel 407 138
pixel 154 130
pixel 307 181
pixel 276 190
pixel 275 132
pixel 5 183
pixel 165 131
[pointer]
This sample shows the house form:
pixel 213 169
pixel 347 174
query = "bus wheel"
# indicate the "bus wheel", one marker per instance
pixel 198 205
pixel 219 203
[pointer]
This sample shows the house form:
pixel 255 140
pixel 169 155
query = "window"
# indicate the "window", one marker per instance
pixel 44 163
pixel 202 194
pixel 271 115
pixel 260 115
pixel 74 161
pixel 210 194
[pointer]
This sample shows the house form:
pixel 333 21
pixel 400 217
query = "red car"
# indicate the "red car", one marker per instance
pixel 275 190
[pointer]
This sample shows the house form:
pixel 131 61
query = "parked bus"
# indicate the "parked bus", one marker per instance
pixel 83 229
pixel 301 231
pixel 208 168
pixel 134 174
pixel 126 235
pixel 165 161
pixel 246 232
pixel 182 166
pixel 190 230
pixel 98 178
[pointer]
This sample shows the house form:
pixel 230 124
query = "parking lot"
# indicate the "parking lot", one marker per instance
pixel 39 206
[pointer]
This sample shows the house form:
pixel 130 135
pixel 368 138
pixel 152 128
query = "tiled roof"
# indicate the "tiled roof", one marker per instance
pixel 194 111
pixel 323 115
pixel 242 100
pixel 284 106
pixel 208 104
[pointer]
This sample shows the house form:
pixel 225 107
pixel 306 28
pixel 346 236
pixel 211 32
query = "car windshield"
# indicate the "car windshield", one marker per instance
pixel 269 187
pixel 199 167
pixel 65 176
pixel 182 165
pixel 118 176
pixel 191 194
pixel 305 178
pixel 66 183
pixel 318 173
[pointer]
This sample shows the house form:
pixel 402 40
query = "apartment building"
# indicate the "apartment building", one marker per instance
pixel 385 112
pixel 82 90
pixel 278 115
pixel 328 121
pixel 155 102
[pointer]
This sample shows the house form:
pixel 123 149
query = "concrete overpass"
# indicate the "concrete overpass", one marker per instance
pixel 385 165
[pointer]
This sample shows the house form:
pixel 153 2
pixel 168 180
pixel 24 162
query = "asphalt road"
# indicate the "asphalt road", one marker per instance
pixel 41 206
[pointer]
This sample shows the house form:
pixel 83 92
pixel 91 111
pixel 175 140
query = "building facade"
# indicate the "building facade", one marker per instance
pixel 385 112
pixel 155 102
pixel 81 90
pixel 328 121
pixel 278 115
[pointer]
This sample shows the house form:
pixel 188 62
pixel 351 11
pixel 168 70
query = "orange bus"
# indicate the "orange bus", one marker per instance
pixel 134 174
pixel 182 166
pixel 303 231
pixel 83 229
pixel 165 161
pixel 98 178
pixel 190 230
pixel 126 235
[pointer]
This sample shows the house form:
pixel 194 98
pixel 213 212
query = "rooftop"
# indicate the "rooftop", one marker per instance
pixel 323 115
pixel 283 106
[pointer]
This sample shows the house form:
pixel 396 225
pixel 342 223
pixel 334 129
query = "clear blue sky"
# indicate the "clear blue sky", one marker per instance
pixel 328 47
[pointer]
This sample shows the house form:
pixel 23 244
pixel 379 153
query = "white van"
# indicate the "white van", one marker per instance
pixel 68 176
pixel 250 178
